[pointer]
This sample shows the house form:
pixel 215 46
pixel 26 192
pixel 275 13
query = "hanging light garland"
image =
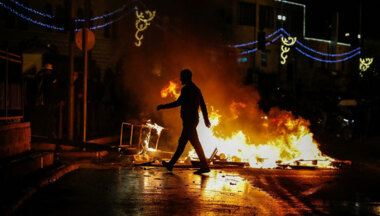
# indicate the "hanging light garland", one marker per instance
pixel 142 24
pixel 30 19
pixel 285 47
pixel 121 9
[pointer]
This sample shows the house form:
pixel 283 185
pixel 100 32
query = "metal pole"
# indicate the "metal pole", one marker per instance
pixel 360 23
pixel 141 128
pixel 6 84
pixel 71 76
pixel 85 72
pixel 158 139
pixel 60 121
pixel 121 134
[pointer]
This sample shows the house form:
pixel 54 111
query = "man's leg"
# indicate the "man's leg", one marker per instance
pixel 180 148
pixel 194 140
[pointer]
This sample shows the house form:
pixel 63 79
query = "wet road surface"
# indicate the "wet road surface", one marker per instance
pixel 155 191
pixel 150 191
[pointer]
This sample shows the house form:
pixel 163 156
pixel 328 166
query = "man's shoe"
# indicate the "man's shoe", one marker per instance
pixel 167 165
pixel 202 170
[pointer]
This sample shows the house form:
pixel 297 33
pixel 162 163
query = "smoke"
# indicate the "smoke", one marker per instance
pixel 186 36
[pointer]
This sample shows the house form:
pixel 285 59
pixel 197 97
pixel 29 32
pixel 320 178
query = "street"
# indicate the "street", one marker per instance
pixel 120 190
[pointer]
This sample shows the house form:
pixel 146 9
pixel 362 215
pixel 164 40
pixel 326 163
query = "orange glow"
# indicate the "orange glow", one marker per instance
pixel 172 90
pixel 146 141
pixel 288 140
pixel 235 108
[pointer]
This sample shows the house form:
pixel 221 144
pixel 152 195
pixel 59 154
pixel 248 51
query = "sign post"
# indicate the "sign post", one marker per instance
pixel 85 40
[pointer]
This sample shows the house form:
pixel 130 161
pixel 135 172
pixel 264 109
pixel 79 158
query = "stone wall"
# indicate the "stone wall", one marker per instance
pixel 14 139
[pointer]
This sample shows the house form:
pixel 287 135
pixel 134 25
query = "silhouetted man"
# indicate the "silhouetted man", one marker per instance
pixel 189 100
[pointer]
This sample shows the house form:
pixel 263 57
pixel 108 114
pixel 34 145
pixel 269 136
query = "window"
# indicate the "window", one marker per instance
pixel 266 17
pixel 246 14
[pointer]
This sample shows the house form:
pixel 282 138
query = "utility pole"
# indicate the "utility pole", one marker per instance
pixel 85 68
pixel 71 103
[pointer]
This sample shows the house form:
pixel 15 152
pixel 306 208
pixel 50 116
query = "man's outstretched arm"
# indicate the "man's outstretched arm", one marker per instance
pixel 170 105
pixel 204 112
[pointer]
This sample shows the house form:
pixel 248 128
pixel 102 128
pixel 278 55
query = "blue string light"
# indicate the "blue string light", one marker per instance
pixel 321 53
pixel 30 19
pixel 76 20
pixel 248 51
pixel 254 42
pixel 328 61
pixel 61 28
pixel 268 43
pixel 326 54
pixel 105 24
pixel 32 10
pixel 104 15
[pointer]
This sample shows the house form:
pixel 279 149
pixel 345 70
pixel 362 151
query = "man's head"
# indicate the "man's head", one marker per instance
pixel 48 68
pixel 186 76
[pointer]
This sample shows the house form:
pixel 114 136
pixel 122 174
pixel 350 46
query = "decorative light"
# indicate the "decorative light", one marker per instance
pixel 327 54
pixel 32 10
pixel 244 59
pixel 76 20
pixel 359 36
pixel 347 34
pixel 142 24
pixel 105 24
pixel 256 41
pixel 51 16
pixel 105 15
pixel 255 49
pixel 281 17
pixel 321 53
pixel 285 47
pixel 328 61
pixel 365 63
pixel 30 19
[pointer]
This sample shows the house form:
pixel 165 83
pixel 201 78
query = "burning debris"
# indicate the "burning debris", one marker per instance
pixel 144 134
pixel 288 141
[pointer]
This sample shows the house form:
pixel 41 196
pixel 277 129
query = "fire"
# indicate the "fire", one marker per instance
pixel 289 140
pixel 151 126
pixel 171 90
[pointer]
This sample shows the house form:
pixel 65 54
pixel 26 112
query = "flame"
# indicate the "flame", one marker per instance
pixel 155 126
pixel 171 90
pixel 289 140
pixel 145 143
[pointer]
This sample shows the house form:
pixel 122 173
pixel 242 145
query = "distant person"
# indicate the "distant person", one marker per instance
pixel 189 100
pixel 47 99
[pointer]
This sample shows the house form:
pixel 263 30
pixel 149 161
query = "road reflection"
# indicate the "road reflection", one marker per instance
pixel 150 191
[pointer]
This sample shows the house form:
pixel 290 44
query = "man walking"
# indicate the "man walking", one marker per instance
pixel 190 100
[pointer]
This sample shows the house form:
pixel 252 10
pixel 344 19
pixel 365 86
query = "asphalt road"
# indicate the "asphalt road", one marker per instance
pixel 118 190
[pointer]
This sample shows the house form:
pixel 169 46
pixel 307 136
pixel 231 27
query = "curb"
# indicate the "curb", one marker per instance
pixel 51 178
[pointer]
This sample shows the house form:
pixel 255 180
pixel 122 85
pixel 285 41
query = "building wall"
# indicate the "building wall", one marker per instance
pixel 39 39
pixel 298 68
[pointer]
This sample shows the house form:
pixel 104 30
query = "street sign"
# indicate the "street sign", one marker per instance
pixel 90 39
